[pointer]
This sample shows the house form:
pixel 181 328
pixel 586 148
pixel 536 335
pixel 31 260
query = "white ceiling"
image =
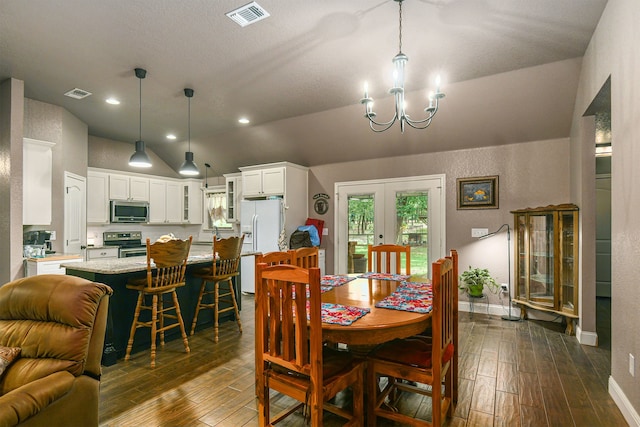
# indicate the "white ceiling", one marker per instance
pixel 298 74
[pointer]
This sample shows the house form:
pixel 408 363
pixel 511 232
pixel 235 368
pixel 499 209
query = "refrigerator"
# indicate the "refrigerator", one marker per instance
pixel 261 222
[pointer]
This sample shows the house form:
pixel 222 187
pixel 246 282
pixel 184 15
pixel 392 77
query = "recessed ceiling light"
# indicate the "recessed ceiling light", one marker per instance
pixel 243 120
pixel 112 101
pixel 171 136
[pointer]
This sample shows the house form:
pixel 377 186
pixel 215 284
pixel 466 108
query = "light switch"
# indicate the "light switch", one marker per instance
pixel 325 231
pixel 479 232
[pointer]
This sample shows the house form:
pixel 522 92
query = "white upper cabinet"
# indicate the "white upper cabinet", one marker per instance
pixel 192 202
pixel 97 197
pixel 37 168
pixel 263 182
pixel 123 187
pixel 234 195
pixel 165 202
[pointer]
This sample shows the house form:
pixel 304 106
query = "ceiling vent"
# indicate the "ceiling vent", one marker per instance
pixel 77 93
pixel 248 14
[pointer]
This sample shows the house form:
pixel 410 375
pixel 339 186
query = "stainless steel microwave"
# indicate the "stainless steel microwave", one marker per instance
pixel 124 211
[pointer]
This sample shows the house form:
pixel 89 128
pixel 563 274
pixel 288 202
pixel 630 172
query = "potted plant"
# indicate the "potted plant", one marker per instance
pixel 474 280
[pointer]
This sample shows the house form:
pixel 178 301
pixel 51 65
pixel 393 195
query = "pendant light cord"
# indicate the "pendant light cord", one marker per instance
pixel 140 122
pixel 189 119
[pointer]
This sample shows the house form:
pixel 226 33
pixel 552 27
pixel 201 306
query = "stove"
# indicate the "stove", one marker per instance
pixel 129 242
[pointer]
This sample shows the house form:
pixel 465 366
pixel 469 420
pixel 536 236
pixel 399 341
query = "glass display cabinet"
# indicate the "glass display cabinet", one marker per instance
pixel 546 253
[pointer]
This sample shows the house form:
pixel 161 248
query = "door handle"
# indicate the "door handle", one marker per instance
pixel 380 236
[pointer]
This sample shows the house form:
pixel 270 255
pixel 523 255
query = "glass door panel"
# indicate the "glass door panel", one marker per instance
pixel 567 262
pixel 361 222
pixel 521 257
pixel 541 260
pixel 411 223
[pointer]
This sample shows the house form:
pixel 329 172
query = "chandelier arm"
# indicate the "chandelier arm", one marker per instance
pixel 417 124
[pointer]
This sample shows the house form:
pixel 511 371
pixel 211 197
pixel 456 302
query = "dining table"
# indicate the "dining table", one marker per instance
pixel 379 324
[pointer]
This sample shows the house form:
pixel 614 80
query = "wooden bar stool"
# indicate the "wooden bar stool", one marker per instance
pixel 226 261
pixel 164 275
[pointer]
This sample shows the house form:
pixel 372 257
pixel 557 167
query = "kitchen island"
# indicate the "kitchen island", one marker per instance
pixel 117 272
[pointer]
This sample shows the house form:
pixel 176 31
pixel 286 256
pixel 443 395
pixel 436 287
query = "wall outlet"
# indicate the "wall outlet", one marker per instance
pixel 53 236
pixel 632 365
pixel 504 287
pixel 479 232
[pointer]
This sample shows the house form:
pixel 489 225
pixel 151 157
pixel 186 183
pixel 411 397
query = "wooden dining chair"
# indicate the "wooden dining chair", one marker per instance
pixel 292 359
pixel 275 257
pixel 166 266
pixel 387 259
pixel 305 257
pixel 409 362
pixel 225 266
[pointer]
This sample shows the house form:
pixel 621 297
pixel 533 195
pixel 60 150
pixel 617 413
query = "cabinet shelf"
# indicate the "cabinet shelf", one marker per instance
pixel 546 251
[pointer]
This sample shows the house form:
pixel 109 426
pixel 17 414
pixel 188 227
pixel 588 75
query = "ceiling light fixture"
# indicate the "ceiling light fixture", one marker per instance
pixel 243 120
pixel 206 167
pixel 399 62
pixel 140 159
pixel 188 167
pixel 171 136
pixel 112 101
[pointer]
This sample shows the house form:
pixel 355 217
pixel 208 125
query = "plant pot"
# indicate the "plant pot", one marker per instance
pixel 475 290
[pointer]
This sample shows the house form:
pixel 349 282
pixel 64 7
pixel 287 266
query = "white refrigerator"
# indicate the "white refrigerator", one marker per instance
pixel 261 222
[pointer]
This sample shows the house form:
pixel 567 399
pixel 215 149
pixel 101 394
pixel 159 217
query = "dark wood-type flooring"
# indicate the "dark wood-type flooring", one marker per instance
pixel 511 374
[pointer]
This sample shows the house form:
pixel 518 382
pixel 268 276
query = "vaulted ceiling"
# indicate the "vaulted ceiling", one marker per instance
pixel 510 70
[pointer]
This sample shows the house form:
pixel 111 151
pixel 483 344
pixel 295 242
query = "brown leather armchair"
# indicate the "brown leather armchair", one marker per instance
pixel 59 323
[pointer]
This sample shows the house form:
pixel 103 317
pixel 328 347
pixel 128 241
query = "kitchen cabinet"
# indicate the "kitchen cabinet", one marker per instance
pixel 546 254
pixel 49 265
pixel 263 182
pixel 97 197
pixel 37 169
pixel 132 188
pixel 192 202
pixel 165 202
pixel 282 179
pixel 234 195
pixel 101 253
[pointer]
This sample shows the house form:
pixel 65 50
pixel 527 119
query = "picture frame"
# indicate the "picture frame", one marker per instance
pixel 478 192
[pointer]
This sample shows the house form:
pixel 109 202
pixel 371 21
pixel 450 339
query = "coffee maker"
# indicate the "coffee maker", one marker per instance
pixel 36 243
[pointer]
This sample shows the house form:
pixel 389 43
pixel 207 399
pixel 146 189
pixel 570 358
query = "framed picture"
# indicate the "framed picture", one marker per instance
pixel 478 193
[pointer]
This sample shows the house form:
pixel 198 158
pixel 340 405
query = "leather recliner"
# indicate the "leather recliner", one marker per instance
pixel 59 323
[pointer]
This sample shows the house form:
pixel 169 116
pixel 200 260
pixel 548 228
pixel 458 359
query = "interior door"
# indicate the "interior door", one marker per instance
pixel 75 213
pixel 403 211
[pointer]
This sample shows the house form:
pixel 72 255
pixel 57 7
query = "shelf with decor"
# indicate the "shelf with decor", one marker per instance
pixel 546 250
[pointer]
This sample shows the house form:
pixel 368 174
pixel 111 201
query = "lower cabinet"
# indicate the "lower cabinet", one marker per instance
pixel 51 265
pixel 101 253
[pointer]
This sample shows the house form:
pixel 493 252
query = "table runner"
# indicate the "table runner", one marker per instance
pixel 384 276
pixel 410 296
pixel 339 314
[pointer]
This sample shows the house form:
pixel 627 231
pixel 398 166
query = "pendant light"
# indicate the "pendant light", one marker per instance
pixel 188 167
pixel 140 159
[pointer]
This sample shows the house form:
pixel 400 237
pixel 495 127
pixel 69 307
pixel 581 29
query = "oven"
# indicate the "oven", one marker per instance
pixel 129 242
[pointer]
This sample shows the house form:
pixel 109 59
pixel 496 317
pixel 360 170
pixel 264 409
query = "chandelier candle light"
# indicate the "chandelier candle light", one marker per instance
pixel 399 62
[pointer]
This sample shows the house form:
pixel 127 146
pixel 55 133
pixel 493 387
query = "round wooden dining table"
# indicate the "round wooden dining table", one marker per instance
pixel 378 326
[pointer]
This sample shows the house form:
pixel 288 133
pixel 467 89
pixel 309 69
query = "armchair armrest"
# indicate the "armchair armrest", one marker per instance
pixel 26 401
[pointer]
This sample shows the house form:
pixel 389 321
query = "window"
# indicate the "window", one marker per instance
pixel 216 210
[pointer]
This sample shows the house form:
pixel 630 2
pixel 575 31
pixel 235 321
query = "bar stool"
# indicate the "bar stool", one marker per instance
pixel 226 260
pixel 164 276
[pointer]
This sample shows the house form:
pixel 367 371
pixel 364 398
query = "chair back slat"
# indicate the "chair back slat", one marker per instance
pixel 281 302
pixel 305 257
pixel 276 257
pixel 388 259
pixel 228 252
pixel 170 259
pixel 443 318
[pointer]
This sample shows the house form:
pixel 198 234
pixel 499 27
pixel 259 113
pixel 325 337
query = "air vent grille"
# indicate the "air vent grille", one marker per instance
pixel 248 14
pixel 77 93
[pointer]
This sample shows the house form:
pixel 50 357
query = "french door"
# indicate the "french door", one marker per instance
pixel 401 211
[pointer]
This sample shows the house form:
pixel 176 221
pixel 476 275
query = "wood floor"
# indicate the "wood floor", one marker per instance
pixel 511 374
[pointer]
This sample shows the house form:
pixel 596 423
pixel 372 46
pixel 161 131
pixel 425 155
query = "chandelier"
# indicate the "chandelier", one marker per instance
pixel 399 63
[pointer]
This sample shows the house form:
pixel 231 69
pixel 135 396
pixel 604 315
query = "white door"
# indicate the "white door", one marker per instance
pixel 404 211
pixel 75 213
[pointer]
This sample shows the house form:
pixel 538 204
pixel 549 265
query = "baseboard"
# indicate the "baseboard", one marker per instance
pixel 628 411
pixel 483 308
pixel 586 338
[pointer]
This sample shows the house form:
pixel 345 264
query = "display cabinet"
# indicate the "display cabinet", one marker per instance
pixel 546 253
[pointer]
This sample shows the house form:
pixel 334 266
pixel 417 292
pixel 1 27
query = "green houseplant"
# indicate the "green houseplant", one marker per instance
pixel 474 280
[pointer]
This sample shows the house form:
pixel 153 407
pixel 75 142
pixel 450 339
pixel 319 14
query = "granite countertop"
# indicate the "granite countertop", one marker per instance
pixel 55 258
pixel 197 254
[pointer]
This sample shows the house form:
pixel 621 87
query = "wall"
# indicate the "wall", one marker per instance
pixel 530 174
pixel 613 51
pixel 109 154
pixel 51 123
pixel 11 124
